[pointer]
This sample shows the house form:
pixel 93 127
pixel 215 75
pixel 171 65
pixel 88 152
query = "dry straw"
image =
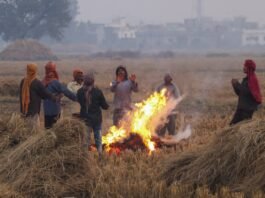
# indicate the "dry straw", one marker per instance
pixel 235 159
pixel 23 50
pixel 50 163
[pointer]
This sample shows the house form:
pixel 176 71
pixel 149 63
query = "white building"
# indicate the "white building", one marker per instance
pixel 123 29
pixel 253 37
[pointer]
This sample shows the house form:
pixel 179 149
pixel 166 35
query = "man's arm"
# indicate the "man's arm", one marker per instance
pixel 103 102
pixel 43 92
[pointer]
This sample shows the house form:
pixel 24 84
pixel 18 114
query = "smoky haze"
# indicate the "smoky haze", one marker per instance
pixel 163 11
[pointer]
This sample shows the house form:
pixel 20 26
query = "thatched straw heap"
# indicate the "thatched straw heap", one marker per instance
pixel 51 163
pixel 14 131
pixel 235 158
pixel 24 50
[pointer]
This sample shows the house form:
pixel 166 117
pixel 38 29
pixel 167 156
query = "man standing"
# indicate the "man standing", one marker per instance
pixel 92 100
pixel 52 110
pixel 172 92
pixel 31 93
pixel 122 88
pixel 77 82
pixel 248 91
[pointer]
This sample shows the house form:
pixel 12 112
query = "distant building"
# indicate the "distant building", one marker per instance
pixel 254 37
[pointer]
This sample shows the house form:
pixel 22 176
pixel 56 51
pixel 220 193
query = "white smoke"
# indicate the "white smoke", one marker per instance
pixel 161 118
pixel 181 135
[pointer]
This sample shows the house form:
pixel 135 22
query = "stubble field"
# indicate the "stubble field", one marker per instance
pixel 208 107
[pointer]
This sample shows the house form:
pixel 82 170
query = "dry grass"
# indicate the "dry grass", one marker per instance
pixel 234 156
pixel 209 107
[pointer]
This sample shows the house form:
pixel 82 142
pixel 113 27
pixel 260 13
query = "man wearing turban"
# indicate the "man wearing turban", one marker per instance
pixel 248 91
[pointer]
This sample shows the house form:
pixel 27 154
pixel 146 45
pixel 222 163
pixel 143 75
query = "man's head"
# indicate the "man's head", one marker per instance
pixel 50 70
pixel 31 69
pixel 78 76
pixel 121 73
pixel 167 78
pixel 249 66
pixel 89 79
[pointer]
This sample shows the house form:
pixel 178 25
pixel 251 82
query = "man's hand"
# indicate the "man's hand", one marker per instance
pixel 133 77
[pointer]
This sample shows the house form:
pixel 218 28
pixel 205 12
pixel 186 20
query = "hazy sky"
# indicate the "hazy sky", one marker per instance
pixel 161 11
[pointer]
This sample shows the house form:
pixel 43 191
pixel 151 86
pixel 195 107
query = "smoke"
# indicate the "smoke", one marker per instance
pixel 181 135
pixel 161 118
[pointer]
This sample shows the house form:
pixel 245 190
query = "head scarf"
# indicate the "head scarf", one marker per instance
pixel 25 93
pixel 76 73
pixel 253 83
pixel 50 67
pixel 88 86
pixel 124 69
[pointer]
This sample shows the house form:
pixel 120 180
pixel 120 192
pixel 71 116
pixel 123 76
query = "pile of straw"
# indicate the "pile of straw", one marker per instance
pixel 13 131
pixel 235 159
pixel 23 50
pixel 51 163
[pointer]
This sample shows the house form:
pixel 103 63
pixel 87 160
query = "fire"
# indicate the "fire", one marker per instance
pixel 138 121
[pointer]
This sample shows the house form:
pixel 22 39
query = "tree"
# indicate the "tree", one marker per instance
pixel 22 19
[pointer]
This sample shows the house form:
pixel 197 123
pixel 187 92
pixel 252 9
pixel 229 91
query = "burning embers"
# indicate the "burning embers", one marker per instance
pixel 137 129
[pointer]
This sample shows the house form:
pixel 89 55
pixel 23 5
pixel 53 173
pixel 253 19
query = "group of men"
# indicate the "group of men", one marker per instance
pixel 91 99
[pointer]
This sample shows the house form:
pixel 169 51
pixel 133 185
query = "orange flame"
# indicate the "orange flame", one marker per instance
pixel 139 121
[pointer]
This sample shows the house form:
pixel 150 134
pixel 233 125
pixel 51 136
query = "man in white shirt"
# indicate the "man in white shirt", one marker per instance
pixel 77 83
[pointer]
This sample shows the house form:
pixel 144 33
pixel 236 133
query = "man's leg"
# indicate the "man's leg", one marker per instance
pixel 161 131
pixel 87 143
pixel 117 116
pixel 247 115
pixel 237 117
pixel 171 125
pixel 98 138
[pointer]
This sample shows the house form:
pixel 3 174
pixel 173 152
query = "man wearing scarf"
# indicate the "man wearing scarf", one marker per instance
pixel 76 84
pixel 172 92
pixel 248 91
pixel 92 100
pixel 122 88
pixel 52 109
pixel 31 93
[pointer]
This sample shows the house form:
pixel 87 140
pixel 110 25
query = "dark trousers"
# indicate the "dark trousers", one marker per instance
pixel 49 121
pixel 117 116
pixel 170 126
pixel 241 115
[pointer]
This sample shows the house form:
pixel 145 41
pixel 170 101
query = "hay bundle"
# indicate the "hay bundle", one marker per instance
pixel 50 164
pixel 234 159
pixel 13 131
pixel 22 50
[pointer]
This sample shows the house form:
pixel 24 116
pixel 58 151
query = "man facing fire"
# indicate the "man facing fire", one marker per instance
pixel 172 91
pixel 122 88
pixel 248 91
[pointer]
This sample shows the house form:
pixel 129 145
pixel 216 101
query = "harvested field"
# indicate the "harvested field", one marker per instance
pixel 208 107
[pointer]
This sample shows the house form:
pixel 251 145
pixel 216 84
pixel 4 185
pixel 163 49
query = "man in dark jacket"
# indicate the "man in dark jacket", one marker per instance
pixel 31 93
pixel 91 100
pixel 248 91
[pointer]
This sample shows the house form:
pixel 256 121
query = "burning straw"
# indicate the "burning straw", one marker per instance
pixel 235 159
pixel 142 121
pixel 50 163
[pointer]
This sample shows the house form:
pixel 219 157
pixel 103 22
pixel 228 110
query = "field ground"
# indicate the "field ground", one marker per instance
pixel 209 105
